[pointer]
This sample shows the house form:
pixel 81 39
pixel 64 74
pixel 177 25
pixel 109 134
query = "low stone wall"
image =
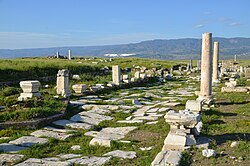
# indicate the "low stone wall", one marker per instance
pixel 33 124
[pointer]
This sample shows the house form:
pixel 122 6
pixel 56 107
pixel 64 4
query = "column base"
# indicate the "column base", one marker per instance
pixel 205 99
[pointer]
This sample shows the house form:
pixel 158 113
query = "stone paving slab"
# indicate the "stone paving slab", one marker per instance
pixel 10 158
pixel 51 134
pixel 50 128
pixel 43 162
pixel 142 111
pixel 149 118
pixel 95 116
pixel 100 111
pixel 85 119
pixel 76 125
pixel 10 148
pixel 114 133
pixel 62 122
pixel 122 154
pixel 28 141
pixel 90 161
pixel 167 157
pixel 101 142
pixel 68 156
pixel 130 121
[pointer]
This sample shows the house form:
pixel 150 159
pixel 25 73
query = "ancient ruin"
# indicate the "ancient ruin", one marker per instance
pixel 30 89
pixel 62 83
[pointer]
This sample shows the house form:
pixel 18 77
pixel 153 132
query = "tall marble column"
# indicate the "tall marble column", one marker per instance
pixel 215 62
pixel 116 74
pixel 206 67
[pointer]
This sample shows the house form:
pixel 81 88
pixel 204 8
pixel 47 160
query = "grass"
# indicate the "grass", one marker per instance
pixel 32 109
pixel 227 122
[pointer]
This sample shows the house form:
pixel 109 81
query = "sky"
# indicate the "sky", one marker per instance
pixel 57 23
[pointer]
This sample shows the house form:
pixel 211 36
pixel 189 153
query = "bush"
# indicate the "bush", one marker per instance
pixel 241 82
pixel 8 91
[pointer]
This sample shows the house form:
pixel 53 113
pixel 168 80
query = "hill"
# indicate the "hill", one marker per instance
pixel 187 48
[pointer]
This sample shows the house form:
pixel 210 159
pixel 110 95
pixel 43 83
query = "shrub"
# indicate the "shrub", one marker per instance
pixel 8 91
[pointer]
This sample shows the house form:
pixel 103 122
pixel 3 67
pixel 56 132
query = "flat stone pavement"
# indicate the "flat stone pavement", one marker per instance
pixel 152 104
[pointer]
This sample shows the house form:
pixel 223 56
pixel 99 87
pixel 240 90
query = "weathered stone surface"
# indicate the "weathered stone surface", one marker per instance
pixel 75 147
pixel 194 105
pixel 197 129
pixel 58 130
pixel 185 118
pixel 68 156
pixel 208 152
pixel 206 67
pixel 215 62
pixel 11 158
pixel 90 161
pixel 122 154
pixel 116 75
pixel 51 134
pixel 153 110
pixel 175 141
pixel 85 126
pixel 234 144
pixel 62 83
pixel 172 104
pixel 150 123
pixel 43 162
pixel 10 148
pixel 108 107
pixel 100 141
pixel 105 136
pixel 167 157
pixel 142 111
pixel 29 141
pixel 79 88
pixel 62 122
pixel 150 118
pixel 234 89
pixel 95 116
pixel 99 111
pixel 91 133
pixel 163 109
pixel 85 119
pixel 130 121
pixel 30 89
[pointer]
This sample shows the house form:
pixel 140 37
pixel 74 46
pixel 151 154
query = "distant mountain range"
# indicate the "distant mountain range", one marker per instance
pixel 187 48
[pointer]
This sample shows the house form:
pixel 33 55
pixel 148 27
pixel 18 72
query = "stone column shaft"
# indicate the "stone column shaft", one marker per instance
pixel 206 66
pixel 215 62
pixel 116 75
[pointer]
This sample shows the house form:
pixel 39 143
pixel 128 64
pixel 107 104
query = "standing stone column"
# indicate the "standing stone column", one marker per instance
pixel 198 64
pixel 215 62
pixel 69 54
pixel 116 75
pixel 62 83
pixel 190 64
pixel 206 67
pixel 57 55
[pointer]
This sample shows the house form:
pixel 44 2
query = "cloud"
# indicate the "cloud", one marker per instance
pixel 199 25
pixel 235 24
